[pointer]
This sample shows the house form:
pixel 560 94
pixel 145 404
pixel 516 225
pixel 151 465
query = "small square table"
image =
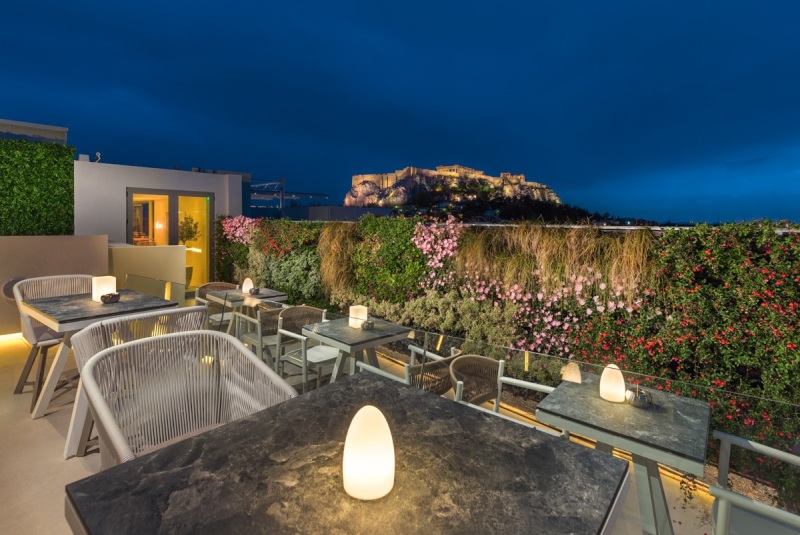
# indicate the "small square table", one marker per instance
pixel 354 342
pixel 673 432
pixel 237 299
pixel 458 470
pixel 69 314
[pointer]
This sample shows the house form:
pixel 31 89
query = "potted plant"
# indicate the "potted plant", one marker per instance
pixel 188 230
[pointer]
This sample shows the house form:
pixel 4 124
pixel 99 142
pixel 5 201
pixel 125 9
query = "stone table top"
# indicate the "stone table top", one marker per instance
pixel 80 307
pixel 339 330
pixel 458 470
pixel 237 298
pixel 674 424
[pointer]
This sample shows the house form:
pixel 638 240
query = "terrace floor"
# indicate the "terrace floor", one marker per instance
pixel 33 471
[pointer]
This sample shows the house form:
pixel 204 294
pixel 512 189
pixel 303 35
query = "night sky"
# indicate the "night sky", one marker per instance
pixel 679 111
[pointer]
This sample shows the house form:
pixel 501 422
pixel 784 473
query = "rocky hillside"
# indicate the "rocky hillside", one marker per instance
pixel 425 187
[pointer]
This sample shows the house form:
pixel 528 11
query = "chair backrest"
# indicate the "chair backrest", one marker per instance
pixel 735 513
pixel 203 289
pixel 433 374
pixel 115 331
pixel 479 375
pixel 39 287
pixel 293 319
pixel 154 391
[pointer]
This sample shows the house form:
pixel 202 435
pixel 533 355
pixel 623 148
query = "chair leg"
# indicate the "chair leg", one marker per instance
pixel 37 386
pixel 26 371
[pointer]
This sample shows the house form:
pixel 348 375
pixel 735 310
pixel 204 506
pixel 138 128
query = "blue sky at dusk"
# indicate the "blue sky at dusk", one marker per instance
pixel 681 111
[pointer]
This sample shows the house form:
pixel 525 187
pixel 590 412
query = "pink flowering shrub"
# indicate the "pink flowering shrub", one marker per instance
pixel 438 243
pixel 239 229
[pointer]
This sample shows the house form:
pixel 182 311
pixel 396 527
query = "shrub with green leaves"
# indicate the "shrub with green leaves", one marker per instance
pixel 38 185
pixel 387 265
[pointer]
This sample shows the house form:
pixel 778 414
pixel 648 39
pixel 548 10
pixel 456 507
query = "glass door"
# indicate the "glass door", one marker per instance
pixel 163 217
pixel 150 219
pixel 193 232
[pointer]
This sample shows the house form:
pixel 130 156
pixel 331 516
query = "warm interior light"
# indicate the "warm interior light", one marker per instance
pixel 612 384
pixel 571 372
pixel 368 465
pixel 247 285
pixel 102 286
pixel 159 225
pixel 358 315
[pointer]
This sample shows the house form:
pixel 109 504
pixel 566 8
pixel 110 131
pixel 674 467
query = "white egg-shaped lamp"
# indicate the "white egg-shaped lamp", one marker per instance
pixel 358 315
pixel 368 465
pixel 612 384
pixel 247 285
pixel 571 372
pixel 103 286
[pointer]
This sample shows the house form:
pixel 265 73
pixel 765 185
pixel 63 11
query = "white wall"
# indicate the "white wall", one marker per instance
pixel 100 193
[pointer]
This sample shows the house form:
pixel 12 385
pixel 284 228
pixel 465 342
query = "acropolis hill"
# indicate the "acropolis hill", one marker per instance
pixel 399 188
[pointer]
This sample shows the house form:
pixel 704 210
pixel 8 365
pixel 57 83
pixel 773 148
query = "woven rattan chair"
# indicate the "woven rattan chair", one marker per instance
pixel 306 357
pixel 115 331
pixel 152 392
pixel 431 373
pixel 261 332
pixel 217 317
pixel 478 377
pixel 37 335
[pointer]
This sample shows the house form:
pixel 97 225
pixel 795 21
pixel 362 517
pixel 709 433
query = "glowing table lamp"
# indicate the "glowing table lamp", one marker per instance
pixel 247 285
pixel 358 315
pixel 368 465
pixel 571 372
pixel 102 286
pixel 612 384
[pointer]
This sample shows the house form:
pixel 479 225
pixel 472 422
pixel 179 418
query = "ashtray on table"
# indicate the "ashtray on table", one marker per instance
pixel 109 298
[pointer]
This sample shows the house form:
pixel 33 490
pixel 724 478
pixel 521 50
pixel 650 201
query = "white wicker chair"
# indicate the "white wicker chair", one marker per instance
pixel 115 331
pixel 152 392
pixel 37 335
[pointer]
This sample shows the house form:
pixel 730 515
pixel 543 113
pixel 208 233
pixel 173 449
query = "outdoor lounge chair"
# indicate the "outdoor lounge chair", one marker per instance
pixel 37 335
pixel 115 331
pixel 737 514
pixel 152 392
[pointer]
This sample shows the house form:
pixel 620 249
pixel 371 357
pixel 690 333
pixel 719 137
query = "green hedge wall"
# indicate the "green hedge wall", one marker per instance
pixel 37 191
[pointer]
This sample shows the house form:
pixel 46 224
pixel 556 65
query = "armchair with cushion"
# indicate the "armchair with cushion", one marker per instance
pixel 306 357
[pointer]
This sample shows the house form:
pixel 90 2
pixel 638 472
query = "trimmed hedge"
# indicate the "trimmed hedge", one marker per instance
pixel 38 188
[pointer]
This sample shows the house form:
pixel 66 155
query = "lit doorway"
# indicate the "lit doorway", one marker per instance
pixel 162 217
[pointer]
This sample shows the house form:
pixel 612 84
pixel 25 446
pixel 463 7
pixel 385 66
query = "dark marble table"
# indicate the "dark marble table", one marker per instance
pixel 458 470
pixel 69 314
pixel 354 342
pixel 673 432
pixel 237 300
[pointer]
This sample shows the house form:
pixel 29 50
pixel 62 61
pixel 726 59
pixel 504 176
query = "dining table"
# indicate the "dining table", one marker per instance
pixel 671 430
pixel 238 300
pixel 69 314
pixel 457 470
pixel 355 343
